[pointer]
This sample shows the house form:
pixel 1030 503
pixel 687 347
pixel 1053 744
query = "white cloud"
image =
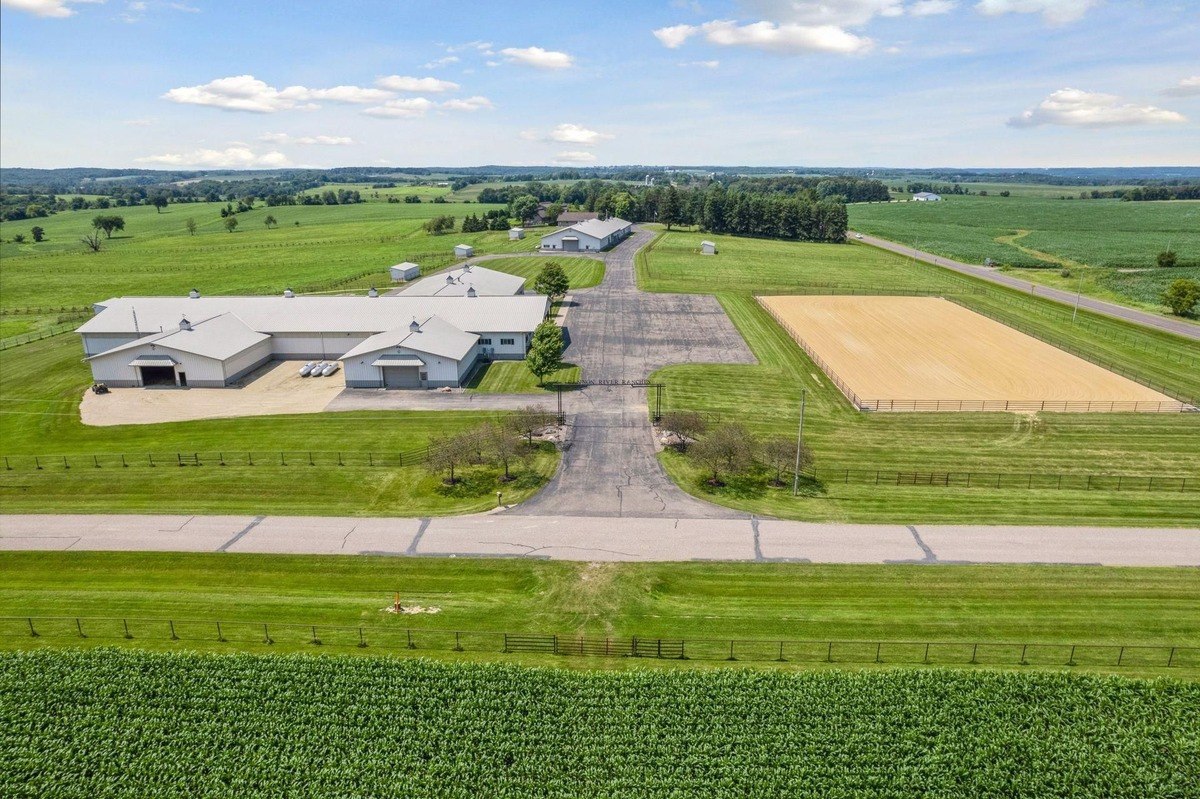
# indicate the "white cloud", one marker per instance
pixel 287 138
pixel 46 8
pixel 824 12
pixel 537 57
pixel 237 157
pixel 569 133
pixel 476 103
pixel 1080 109
pixel 143 122
pixel 478 44
pixel 1056 12
pixel 444 61
pixel 786 38
pixel 929 8
pixel 700 64
pixel 349 94
pixel 248 93
pixel 575 157
pixel 403 83
pixel 408 108
pixel 1188 87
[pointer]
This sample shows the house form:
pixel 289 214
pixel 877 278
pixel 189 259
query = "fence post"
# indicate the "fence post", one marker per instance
pixel 174 637
pixel 458 641
pixel 506 643
pixel 315 640
pixel 411 644
pixel 731 657
pixel 96 461
pixel 974 652
pixel 128 635
pixel 829 653
pixel 310 459
pixel 1024 662
pixel 79 627
pixel 926 652
pixel 124 465
pixel 37 462
pixel 266 635
pixel 362 642
pixel 878 646
pixel 1071 657
pixel 33 633
pixel 780 658
pixel 1170 658
pixel 179 457
pixel 1120 656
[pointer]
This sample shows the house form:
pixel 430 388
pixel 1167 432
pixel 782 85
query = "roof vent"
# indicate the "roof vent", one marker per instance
pixel 414 327
pixel 449 278
pixel 471 292
pixel 289 293
pixel 194 294
pixel 373 292
pixel 184 324
pixel 466 267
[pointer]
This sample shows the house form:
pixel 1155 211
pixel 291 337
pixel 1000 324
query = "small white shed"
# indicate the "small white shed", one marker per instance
pixel 708 248
pixel 516 233
pixel 405 272
pixel 463 250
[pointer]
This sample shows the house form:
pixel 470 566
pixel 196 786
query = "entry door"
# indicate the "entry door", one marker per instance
pixel 183 378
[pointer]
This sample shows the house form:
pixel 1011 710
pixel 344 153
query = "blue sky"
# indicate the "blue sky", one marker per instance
pixel 984 83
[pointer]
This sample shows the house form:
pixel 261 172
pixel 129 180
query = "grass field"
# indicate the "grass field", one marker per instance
pixel 514 377
pixel 156 256
pixel 1109 246
pixel 40 387
pixel 582 273
pixel 305 726
pixel 766 398
pixel 1035 604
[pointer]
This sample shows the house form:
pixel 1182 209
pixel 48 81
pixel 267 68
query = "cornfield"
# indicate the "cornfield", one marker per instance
pixel 117 723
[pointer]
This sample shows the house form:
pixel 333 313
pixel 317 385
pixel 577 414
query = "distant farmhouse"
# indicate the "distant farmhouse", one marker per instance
pixel 591 235
pixel 927 197
pixel 466 281
pixel 406 341
pixel 568 218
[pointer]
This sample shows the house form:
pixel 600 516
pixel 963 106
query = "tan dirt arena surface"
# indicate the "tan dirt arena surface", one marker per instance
pixel 274 388
pixel 928 348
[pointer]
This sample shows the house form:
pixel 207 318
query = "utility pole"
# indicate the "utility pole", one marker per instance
pixel 799 443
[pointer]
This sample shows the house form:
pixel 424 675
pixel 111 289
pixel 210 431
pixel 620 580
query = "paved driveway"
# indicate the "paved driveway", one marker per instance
pixel 620 333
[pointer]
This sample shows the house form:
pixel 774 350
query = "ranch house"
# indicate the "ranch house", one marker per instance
pixel 926 197
pixel 592 235
pixel 406 341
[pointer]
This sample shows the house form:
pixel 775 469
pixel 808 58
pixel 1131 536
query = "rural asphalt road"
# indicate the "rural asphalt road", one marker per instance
pixel 1177 326
pixel 603 539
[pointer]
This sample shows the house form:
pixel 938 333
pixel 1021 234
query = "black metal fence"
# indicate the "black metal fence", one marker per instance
pixel 394 637
pixel 38 335
pixel 225 459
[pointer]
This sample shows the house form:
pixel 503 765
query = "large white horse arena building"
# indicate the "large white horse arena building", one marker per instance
pixel 406 341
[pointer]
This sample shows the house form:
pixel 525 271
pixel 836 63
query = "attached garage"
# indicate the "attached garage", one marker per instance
pixel 399 371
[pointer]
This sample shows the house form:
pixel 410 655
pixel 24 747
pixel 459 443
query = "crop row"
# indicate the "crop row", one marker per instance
pixel 111 723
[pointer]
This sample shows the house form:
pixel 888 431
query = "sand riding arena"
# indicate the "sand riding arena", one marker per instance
pixel 931 354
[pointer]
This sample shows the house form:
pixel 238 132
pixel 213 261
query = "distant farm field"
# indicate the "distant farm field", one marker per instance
pixel 323 726
pixel 1096 240
pixel 766 398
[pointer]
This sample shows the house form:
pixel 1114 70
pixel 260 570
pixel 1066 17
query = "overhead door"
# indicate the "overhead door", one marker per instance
pixel 570 244
pixel 401 377
pixel 158 375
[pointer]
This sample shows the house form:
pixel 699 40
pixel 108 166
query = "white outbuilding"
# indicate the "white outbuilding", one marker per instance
pixel 708 248
pixel 463 250
pixel 405 271
pixel 516 233
pixel 215 341
pixel 926 197
pixel 592 235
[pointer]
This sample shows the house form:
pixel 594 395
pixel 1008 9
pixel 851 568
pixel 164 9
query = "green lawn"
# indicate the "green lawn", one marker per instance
pixel 582 273
pixel 1099 241
pixel 156 256
pixel 41 384
pixel 1047 604
pixel 514 377
pixel 766 397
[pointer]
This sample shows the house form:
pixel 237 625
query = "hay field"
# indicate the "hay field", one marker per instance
pixel 923 349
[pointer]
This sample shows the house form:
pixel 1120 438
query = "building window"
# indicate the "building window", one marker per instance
pixel 507 342
pixel 487 342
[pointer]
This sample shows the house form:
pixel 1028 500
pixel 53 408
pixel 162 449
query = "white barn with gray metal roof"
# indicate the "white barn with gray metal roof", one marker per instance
pixel 591 235
pixel 215 341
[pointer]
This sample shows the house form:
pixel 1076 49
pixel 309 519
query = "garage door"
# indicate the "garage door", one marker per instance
pixel 571 244
pixel 158 375
pixel 401 377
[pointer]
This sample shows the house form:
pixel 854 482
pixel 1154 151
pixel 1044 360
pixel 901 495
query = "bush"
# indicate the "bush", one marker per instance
pixel 1181 296
pixel 1167 259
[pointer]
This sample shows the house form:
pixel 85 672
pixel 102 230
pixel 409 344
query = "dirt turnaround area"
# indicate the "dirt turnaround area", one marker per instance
pixel 927 353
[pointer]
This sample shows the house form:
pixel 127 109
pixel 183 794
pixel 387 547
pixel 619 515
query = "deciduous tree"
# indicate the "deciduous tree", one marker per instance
pixel 1181 296
pixel 552 281
pixel 108 223
pixel 190 224
pixel 529 420
pixel 545 351
pixel 726 449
